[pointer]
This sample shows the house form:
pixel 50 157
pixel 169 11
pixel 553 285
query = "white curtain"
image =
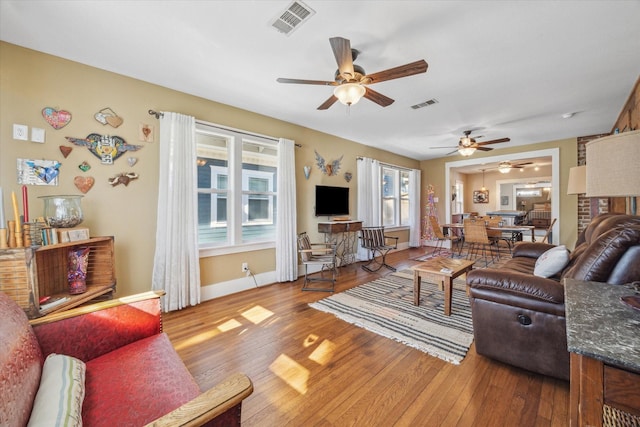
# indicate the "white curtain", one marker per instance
pixel 369 197
pixel 286 244
pixel 414 208
pixel 176 268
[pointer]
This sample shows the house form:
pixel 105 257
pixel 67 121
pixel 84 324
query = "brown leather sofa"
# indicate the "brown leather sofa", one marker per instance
pixel 519 318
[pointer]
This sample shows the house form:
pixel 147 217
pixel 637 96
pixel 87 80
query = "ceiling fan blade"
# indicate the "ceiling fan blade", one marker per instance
pixel 523 164
pixel 494 141
pixel 377 97
pixel 452 152
pixel 342 51
pixel 397 72
pixel 306 82
pixel 484 148
pixel 450 146
pixel 328 103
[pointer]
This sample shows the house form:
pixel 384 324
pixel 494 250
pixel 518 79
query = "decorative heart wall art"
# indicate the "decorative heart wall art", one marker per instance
pixel 65 150
pixel 132 161
pixel 105 147
pixel 57 119
pixel 84 183
pixel 108 116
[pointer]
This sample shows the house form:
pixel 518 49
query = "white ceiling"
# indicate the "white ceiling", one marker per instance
pixel 506 68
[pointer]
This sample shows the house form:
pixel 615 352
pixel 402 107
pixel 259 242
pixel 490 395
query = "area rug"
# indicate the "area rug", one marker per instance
pixel 385 307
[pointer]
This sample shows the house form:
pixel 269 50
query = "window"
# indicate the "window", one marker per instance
pixel 395 197
pixel 237 187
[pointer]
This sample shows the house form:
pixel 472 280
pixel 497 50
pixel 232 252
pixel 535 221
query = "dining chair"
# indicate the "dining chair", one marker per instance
pixel 441 237
pixel 475 234
pixel 320 255
pixel 496 236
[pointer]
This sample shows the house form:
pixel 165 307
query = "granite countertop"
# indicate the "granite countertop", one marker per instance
pixel 600 325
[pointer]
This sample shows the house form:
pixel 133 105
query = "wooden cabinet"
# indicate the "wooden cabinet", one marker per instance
pixel 27 274
pixel 603 339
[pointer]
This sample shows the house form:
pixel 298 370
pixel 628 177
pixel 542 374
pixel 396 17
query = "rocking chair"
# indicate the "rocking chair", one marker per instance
pixel 378 245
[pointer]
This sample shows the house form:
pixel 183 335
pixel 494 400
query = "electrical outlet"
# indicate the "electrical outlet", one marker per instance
pixel 245 267
pixel 21 132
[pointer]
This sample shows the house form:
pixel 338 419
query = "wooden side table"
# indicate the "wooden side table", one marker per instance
pixel 445 270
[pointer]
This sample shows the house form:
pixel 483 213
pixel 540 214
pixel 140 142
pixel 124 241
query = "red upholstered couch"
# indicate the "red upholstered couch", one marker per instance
pixel 133 374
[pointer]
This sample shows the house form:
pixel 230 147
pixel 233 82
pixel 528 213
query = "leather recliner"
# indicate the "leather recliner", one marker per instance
pixel 519 318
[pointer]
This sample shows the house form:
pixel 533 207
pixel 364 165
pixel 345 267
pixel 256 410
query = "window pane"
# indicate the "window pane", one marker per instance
pixel 212 233
pixel 212 173
pixel 404 211
pixel 388 182
pixel 388 212
pixel 259 186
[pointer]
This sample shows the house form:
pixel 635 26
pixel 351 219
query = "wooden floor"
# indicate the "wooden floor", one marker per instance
pixel 312 369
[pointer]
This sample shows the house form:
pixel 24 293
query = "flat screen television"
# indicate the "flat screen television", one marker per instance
pixel 332 200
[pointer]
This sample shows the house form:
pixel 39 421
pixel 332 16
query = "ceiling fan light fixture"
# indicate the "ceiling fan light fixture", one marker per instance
pixel 504 168
pixel 466 151
pixel 349 93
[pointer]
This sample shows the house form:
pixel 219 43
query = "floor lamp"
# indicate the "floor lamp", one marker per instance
pixel 613 167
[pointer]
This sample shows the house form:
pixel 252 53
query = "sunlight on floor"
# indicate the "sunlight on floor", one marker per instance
pixel 197 339
pixel 323 354
pixel 257 314
pixel 291 372
pixel 229 325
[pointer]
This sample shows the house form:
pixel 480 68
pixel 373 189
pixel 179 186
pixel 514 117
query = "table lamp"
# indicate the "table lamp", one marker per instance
pixel 613 171
pixel 612 166
pixel 577 180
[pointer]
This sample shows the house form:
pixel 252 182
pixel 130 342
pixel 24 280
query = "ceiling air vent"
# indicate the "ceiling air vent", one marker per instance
pixel 425 104
pixel 292 17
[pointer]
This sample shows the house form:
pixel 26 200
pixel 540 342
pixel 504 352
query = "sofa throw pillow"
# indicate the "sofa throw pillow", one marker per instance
pixel 59 399
pixel 552 262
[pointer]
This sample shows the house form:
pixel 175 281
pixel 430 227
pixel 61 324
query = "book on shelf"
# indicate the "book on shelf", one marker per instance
pixel 52 235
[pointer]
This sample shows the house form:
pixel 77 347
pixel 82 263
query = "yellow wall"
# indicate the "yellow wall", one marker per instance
pixel 433 172
pixel 31 81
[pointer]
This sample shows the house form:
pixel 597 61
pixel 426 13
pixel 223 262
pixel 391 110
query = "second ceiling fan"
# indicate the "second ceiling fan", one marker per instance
pixel 468 145
pixel 351 82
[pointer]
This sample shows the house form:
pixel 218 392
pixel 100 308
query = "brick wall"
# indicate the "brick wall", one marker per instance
pixel 588 207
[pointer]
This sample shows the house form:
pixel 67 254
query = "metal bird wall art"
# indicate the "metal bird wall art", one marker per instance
pixel 105 147
pixel 329 169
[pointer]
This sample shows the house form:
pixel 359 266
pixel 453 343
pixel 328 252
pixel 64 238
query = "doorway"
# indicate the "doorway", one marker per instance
pixel 553 153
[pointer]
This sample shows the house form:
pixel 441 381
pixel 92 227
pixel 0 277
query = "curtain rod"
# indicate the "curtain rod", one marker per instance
pixel 388 164
pixel 160 114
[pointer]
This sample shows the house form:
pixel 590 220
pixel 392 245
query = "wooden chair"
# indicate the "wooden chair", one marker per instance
pixel 496 236
pixel 373 239
pixel 545 239
pixel 441 237
pixel 475 234
pixel 322 255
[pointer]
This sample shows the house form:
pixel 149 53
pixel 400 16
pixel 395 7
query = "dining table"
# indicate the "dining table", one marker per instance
pixel 507 228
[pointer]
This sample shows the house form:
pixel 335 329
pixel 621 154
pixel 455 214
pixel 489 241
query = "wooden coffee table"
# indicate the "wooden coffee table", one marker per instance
pixel 434 267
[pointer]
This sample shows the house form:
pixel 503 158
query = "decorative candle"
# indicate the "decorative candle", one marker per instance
pixel 16 214
pixel 25 203
pixel 3 223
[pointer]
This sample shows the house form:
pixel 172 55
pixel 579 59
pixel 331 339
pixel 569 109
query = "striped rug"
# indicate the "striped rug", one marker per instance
pixel 385 307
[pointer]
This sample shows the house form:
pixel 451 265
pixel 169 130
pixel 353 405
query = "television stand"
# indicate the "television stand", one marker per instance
pixel 344 234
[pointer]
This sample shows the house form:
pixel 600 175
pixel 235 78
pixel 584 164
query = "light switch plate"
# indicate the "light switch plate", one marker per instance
pixel 37 135
pixel 21 132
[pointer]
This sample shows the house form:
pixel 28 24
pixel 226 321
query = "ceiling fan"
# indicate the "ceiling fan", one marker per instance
pixel 506 166
pixel 350 80
pixel 468 145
